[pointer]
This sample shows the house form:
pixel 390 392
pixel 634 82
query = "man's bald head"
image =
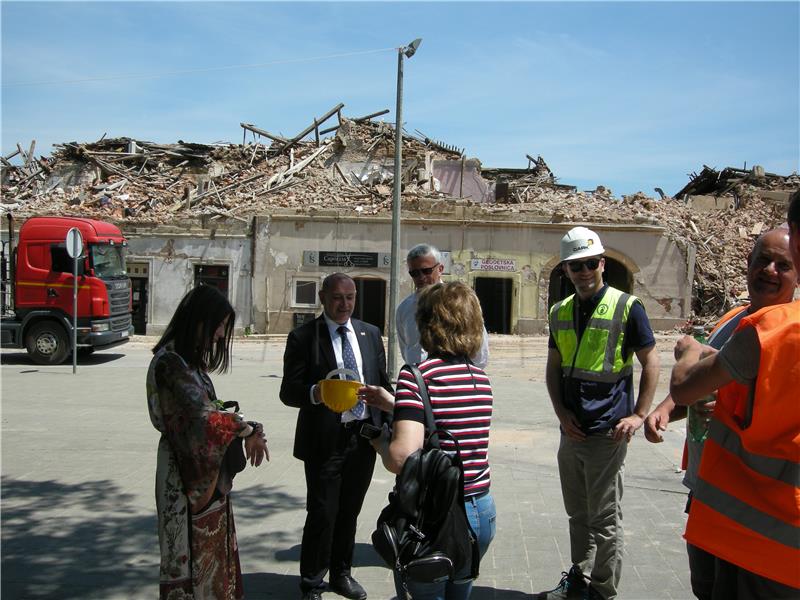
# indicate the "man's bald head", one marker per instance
pixel 771 275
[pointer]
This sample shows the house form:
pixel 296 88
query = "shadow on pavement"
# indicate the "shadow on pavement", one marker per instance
pixel 72 540
pixel 87 540
pixel 364 555
pixel 487 593
pixel 97 358
pixel 271 585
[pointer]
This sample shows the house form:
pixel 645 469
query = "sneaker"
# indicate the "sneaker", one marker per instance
pixel 572 585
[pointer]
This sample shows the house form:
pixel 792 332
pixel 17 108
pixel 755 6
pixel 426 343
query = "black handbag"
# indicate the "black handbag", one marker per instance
pixel 235 459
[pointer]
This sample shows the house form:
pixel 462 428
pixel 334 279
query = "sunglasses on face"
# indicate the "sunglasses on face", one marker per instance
pixel 426 271
pixel 576 266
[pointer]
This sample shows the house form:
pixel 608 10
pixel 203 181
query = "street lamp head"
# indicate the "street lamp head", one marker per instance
pixel 411 49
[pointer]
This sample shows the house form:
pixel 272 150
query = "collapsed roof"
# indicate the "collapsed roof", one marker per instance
pixel 352 170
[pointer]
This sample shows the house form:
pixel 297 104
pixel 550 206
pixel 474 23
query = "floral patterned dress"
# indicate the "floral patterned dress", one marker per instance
pixel 199 554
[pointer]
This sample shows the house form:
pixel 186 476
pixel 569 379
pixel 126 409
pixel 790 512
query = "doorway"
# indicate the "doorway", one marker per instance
pixel 371 301
pixel 139 305
pixel 212 275
pixel 139 275
pixel 494 294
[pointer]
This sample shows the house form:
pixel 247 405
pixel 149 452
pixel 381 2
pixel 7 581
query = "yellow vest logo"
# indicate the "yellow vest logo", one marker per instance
pixel 602 309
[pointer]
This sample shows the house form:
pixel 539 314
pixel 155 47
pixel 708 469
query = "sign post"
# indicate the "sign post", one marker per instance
pixel 74 243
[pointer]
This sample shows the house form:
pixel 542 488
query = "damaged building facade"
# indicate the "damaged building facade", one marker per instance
pixel 266 220
pixel 510 264
pixel 272 268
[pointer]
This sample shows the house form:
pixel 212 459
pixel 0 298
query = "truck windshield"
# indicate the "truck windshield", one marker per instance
pixel 108 261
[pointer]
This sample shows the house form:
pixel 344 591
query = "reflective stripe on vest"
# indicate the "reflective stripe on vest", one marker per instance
pixel 752 517
pixel 748 489
pixel 768 466
pixel 603 336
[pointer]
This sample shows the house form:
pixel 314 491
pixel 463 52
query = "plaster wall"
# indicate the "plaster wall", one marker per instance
pixel 280 244
pixel 462 179
pixel 172 253
pixel 658 268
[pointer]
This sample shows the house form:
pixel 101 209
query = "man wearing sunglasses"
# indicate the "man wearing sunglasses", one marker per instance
pixel 425 268
pixel 594 335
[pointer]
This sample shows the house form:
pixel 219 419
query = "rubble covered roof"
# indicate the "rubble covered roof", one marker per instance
pixel 351 171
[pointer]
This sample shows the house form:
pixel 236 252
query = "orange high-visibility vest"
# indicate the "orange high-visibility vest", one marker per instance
pixel 746 505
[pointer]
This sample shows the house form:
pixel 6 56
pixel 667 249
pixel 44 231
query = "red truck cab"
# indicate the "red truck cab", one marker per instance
pixel 43 289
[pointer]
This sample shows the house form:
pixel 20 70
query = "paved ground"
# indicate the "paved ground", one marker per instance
pixel 78 462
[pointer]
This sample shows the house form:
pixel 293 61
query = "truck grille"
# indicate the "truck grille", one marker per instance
pixel 119 293
pixel 121 323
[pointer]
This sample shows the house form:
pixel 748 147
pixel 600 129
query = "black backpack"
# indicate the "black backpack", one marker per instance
pixel 423 533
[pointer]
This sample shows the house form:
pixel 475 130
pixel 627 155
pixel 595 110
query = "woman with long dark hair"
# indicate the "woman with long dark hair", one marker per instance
pixel 197 453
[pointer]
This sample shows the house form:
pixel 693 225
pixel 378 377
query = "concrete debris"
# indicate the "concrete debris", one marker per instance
pixel 718 214
pixel 727 182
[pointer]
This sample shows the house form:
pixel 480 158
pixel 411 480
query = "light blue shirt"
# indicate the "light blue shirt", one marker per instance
pixel 408 335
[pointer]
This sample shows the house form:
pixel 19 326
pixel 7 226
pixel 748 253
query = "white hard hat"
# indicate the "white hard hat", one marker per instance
pixel 580 242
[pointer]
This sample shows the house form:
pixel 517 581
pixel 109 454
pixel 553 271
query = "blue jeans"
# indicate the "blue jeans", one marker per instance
pixel 481 514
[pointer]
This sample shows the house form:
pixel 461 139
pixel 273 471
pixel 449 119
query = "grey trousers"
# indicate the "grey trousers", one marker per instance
pixel 591 483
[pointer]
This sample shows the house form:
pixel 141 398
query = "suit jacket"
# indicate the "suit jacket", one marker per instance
pixel 308 358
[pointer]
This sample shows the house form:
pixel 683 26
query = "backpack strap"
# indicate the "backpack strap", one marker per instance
pixel 430 423
pixel 432 431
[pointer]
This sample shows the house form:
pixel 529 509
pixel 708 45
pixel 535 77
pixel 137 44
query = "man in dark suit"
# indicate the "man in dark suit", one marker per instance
pixel 338 460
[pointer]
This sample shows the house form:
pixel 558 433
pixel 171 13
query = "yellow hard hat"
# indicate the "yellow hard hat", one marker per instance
pixel 339 394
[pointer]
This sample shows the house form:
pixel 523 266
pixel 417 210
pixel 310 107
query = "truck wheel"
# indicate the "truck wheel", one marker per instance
pixel 47 343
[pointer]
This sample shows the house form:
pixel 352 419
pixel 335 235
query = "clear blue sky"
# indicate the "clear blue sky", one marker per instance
pixel 627 95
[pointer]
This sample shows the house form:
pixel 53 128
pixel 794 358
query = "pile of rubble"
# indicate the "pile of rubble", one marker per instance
pixel 729 181
pixel 123 178
pixel 352 171
pixel 722 238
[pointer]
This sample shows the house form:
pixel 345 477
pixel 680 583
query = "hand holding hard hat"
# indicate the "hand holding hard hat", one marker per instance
pixel 339 395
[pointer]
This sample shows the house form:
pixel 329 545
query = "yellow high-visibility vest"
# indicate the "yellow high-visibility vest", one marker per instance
pixel 598 356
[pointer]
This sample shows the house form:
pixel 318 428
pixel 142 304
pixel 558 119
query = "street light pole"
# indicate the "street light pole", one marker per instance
pixel 408 52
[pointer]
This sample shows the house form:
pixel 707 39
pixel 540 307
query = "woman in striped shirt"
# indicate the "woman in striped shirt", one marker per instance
pixel 451 330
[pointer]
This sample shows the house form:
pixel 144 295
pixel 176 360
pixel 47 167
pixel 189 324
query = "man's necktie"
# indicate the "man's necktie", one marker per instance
pixel 349 360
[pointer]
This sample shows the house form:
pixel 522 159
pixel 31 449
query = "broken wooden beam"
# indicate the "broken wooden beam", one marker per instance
pixel 266 134
pixel 12 155
pixel 357 120
pixel 30 153
pixel 312 127
pixel 370 116
pixel 229 187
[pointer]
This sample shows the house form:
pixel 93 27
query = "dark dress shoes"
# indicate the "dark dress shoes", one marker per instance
pixel 346 586
pixel 312 595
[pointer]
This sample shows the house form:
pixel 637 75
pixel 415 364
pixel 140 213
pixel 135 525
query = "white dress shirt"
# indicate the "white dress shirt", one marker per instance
pixel 336 342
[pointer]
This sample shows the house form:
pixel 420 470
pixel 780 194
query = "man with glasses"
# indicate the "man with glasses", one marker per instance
pixel 425 268
pixel 594 335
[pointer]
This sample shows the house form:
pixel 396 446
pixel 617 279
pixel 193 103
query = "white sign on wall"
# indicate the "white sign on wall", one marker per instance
pixel 493 264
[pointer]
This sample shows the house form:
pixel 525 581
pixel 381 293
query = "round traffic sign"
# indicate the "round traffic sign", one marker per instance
pixel 74 242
